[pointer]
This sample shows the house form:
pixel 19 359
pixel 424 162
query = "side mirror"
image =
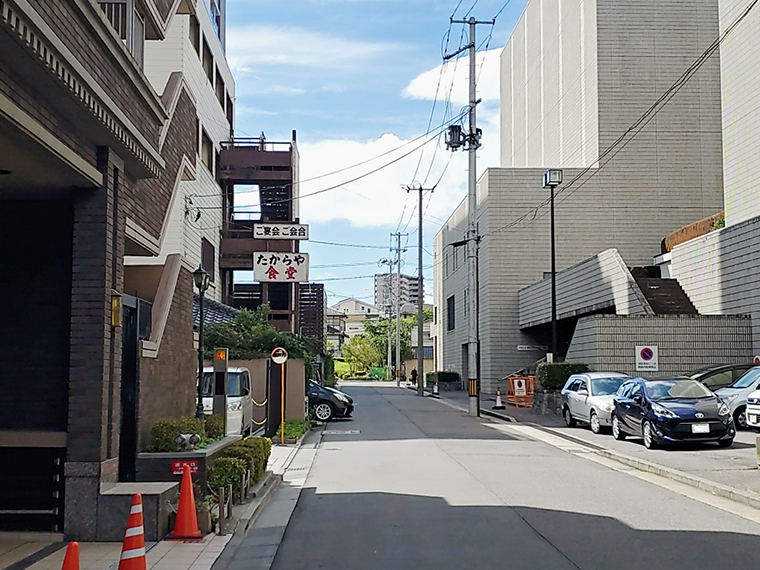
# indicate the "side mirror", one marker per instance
pixel 583 392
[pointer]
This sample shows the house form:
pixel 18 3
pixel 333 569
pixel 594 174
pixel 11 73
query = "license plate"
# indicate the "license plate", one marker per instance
pixel 700 428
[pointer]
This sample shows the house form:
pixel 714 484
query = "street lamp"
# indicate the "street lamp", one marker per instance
pixel 201 280
pixel 552 179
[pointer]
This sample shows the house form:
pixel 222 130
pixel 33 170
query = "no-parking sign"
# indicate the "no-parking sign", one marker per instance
pixel 647 359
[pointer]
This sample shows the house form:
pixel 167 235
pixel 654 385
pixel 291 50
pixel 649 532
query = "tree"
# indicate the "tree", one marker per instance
pixel 360 353
pixel 377 331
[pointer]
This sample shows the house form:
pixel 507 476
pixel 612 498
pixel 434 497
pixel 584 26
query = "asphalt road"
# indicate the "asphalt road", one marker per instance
pixel 423 486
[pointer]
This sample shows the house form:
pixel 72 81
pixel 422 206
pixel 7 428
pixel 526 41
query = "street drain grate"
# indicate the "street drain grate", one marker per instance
pixel 341 432
pixel 296 468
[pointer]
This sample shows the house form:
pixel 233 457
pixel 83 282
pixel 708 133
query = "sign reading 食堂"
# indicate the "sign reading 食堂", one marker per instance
pixel 277 267
pixel 647 359
pixel 280 231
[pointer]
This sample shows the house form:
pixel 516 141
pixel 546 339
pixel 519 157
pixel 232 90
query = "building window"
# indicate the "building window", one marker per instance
pixel 230 115
pixel 208 257
pixel 197 135
pixel 207 152
pixel 195 34
pixel 435 315
pixel 466 304
pixel 446 265
pixel 129 25
pixel 456 258
pixel 216 17
pixel 220 92
pixel 450 313
pixel 208 62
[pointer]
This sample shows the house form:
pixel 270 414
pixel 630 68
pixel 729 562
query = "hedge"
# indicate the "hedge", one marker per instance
pixel 227 471
pixel 555 374
pixel 262 448
pixel 215 426
pixel 435 377
pixel 164 432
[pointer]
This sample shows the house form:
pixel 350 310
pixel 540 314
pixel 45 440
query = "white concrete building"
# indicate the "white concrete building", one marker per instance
pixel 194 48
pixel 720 271
pixel 385 290
pixel 575 75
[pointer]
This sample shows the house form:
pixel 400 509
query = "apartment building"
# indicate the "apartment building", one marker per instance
pixel 575 75
pixel 409 290
pixel 91 158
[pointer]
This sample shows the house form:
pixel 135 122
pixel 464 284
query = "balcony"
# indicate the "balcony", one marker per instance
pixel 257 161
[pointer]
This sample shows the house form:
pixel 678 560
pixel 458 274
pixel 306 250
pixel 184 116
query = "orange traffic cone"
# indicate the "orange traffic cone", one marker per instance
pixel 71 560
pixel 187 520
pixel 133 550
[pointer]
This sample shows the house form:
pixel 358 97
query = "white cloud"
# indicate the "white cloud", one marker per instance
pixel 254 45
pixel 457 73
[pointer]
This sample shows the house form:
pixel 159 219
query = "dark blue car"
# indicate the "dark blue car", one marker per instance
pixel 671 410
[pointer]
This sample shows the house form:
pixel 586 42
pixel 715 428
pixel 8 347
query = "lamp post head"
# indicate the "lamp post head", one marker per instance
pixel 552 178
pixel 201 279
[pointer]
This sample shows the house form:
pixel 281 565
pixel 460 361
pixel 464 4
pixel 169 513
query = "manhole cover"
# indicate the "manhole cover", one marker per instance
pixel 341 432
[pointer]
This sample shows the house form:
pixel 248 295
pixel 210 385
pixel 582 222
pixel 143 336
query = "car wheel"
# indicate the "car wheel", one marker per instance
pixel 617 433
pixel 740 417
pixel 726 442
pixel 569 420
pixel 324 411
pixel 649 441
pixel 596 427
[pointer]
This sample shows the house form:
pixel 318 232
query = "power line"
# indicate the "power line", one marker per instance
pixel 348 244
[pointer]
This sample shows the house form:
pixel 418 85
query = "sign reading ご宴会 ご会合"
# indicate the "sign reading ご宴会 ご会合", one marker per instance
pixel 280 231
pixel 647 359
pixel 271 267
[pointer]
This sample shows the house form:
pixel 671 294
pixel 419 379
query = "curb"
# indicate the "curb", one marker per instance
pixel 263 493
pixel 744 497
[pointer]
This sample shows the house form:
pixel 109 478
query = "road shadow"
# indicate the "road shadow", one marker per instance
pixel 373 531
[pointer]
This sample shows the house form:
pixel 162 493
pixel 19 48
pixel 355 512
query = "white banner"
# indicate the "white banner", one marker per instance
pixel 275 267
pixel 280 231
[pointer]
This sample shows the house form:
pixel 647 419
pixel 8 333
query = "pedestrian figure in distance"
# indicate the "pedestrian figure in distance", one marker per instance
pixel 414 376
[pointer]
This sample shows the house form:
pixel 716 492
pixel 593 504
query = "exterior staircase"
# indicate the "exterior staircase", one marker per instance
pixel 666 297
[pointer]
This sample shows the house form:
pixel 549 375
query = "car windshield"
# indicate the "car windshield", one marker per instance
pixel 700 371
pixel 234 384
pixel 748 379
pixel 605 386
pixel 675 389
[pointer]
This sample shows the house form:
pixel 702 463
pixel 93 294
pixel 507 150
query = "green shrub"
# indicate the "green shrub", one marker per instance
pixel 262 448
pixel 227 471
pixel 434 377
pixel 215 426
pixel 244 452
pixel 294 429
pixel 555 374
pixel 163 433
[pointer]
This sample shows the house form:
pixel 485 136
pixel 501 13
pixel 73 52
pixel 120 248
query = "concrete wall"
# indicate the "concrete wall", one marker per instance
pixel 549 86
pixel 685 342
pixel 599 282
pixel 741 113
pixel 721 272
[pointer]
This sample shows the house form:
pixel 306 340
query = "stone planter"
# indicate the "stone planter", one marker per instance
pixel 158 466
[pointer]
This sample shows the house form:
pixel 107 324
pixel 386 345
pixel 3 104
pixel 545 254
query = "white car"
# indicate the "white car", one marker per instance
pixel 737 397
pixel 587 398
pixel 239 399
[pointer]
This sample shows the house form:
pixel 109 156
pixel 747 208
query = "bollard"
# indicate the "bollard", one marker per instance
pixel 222 510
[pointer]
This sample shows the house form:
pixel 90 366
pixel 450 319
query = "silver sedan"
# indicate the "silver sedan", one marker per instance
pixel 588 397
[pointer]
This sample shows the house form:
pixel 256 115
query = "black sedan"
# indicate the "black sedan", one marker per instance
pixel 671 410
pixel 329 403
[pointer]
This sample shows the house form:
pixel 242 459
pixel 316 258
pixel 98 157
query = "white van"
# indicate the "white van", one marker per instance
pixel 239 399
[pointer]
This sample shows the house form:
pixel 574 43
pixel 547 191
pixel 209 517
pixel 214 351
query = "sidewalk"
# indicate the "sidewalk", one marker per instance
pixel 731 472
pixel 30 551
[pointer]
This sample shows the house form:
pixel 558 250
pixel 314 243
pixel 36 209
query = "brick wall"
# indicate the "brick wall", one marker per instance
pixel 150 200
pixel 76 33
pixel 167 383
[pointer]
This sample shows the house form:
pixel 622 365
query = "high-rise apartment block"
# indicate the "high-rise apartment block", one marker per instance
pixel 410 290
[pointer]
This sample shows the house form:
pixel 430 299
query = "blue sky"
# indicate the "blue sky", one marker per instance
pixel 358 79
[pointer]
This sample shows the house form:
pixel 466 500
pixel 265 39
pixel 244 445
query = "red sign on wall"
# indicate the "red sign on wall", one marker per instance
pixel 179 466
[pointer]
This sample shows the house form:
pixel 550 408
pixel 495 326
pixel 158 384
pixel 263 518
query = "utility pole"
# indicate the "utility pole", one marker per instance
pixel 388 309
pixel 420 299
pixel 398 307
pixel 472 140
